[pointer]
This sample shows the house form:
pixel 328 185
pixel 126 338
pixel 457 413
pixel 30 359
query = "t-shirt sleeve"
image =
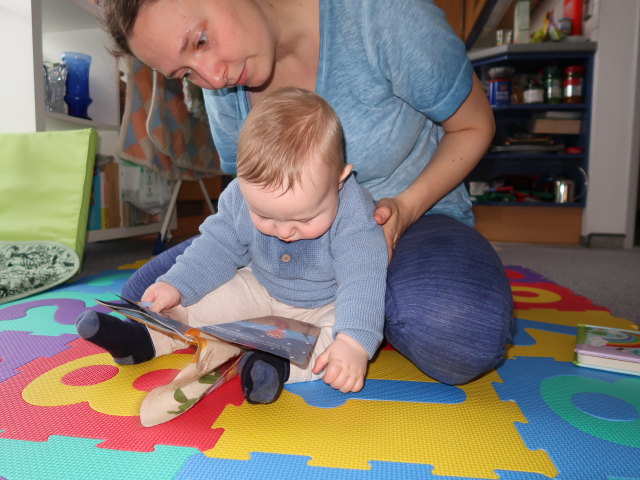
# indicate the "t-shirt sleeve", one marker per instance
pixel 412 44
pixel 225 121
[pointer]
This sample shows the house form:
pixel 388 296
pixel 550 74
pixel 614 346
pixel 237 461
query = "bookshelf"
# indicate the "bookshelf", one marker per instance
pixel 72 25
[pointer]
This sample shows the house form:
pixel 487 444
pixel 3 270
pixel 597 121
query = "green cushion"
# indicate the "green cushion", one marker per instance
pixel 45 185
pixel 45 188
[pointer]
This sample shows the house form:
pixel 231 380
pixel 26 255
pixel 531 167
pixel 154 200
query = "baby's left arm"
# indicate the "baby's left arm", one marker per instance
pixel 345 364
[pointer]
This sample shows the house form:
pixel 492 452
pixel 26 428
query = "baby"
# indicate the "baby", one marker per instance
pixel 294 237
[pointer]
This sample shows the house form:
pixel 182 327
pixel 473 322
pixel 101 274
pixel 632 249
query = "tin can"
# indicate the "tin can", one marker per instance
pixel 500 91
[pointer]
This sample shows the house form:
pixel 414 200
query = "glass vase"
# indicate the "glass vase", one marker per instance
pixel 77 92
pixel 55 77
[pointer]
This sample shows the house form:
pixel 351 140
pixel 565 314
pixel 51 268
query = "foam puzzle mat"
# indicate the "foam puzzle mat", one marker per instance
pixel 68 412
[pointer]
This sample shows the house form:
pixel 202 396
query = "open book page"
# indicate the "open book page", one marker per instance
pixel 285 337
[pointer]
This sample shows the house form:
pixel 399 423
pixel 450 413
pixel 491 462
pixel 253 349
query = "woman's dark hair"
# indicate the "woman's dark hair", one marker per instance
pixel 118 18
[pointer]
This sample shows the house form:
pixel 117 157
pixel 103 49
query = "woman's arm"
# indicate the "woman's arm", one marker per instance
pixel 468 133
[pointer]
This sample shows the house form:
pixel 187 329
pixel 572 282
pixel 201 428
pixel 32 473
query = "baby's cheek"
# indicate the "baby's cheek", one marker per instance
pixel 313 231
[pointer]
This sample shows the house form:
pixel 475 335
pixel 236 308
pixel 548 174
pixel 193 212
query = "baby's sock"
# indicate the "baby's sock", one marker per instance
pixel 127 341
pixel 262 376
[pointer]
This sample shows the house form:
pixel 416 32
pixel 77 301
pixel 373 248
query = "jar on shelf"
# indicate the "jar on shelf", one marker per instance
pixel 552 85
pixel 500 85
pixel 572 84
pixel 533 91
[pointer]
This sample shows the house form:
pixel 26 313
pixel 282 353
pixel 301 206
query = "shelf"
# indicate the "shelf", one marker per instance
pixel 58 15
pixel 533 156
pixel 83 122
pixel 72 26
pixel 544 222
pixel 545 48
pixel 122 232
pixel 530 204
pixel 538 106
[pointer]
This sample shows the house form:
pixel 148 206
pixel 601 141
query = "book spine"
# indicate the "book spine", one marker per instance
pixel 95 222
pixel 103 200
pixel 112 188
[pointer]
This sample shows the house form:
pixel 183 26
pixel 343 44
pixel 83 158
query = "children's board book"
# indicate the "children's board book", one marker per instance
pixel 285 337
pixel 607 348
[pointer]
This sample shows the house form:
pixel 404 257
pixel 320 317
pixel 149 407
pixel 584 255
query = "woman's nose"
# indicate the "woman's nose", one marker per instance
pixel 214 74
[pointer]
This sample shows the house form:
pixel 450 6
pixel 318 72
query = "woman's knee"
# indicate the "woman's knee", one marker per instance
pixel 147 274
pixel 448 304
pixel 449 341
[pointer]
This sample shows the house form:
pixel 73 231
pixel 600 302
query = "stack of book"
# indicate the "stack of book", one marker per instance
pixel 109 207
pixel 607 348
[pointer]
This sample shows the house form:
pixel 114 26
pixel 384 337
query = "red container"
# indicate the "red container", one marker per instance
pixel 573 9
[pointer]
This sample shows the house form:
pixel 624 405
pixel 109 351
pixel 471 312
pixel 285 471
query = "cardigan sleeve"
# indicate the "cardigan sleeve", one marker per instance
pixel 360 260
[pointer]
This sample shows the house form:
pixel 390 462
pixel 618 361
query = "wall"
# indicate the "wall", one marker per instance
pixel 17 83
pixel 614 157
pixel 615 126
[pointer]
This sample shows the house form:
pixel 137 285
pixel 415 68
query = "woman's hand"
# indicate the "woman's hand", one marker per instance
pixel 468 133
pixel 394 219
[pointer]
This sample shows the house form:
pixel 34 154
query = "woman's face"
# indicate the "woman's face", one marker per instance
pixel 214 43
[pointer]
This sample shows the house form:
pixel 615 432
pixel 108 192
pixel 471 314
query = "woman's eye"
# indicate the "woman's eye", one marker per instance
pixel 202 40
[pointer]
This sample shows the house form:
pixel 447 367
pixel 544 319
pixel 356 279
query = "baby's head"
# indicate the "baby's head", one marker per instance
pixel 290 164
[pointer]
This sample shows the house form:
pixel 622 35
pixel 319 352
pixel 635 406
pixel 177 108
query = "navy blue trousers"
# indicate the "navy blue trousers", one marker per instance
pixel 448 300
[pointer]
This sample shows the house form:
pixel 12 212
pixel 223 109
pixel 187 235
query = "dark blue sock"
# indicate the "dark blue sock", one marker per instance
pixel 262 376
pixel 127 341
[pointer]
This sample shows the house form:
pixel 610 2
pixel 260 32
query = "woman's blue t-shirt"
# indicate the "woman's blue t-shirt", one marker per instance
pixel 392 70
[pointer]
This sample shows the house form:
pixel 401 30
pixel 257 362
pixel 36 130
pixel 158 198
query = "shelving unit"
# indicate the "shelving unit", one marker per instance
pixel 72 25
pixel 544 222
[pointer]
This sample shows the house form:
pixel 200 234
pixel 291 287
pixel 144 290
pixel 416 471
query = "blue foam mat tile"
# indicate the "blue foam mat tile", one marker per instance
pixel 270 466
pixel 588 421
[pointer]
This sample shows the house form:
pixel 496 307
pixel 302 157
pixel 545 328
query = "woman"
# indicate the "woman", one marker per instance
pixel 416 121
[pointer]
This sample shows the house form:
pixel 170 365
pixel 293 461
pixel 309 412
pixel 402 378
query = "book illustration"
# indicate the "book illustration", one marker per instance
pixel 286 337
pixel 197 379
pixel 608 342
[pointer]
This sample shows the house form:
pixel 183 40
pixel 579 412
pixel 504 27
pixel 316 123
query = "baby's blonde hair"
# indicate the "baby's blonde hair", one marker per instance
pixel 280 134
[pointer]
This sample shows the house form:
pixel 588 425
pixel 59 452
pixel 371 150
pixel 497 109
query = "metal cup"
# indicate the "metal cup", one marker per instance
pixel 564 191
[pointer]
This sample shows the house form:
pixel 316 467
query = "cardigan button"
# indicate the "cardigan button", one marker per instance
pixel 286 258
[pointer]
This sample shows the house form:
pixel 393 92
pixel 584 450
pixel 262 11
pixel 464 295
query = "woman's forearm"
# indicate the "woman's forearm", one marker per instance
pixel 468 133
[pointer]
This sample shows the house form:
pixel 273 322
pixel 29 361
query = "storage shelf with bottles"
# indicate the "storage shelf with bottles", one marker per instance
pixel 541 158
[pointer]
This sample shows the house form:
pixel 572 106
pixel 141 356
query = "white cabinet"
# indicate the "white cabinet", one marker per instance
pixel 38 30
pixel 71 25
pixel 34 31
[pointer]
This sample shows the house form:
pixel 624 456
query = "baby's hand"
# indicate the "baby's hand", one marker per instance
pixel 345 364
pixel 162 296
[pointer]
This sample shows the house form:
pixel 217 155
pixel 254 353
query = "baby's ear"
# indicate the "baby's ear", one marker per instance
pixel 346 171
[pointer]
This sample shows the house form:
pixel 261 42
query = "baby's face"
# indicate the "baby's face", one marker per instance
pixel 305 211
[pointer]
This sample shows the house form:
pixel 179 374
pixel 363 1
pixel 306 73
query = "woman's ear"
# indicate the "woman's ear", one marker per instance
pixel 346 171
